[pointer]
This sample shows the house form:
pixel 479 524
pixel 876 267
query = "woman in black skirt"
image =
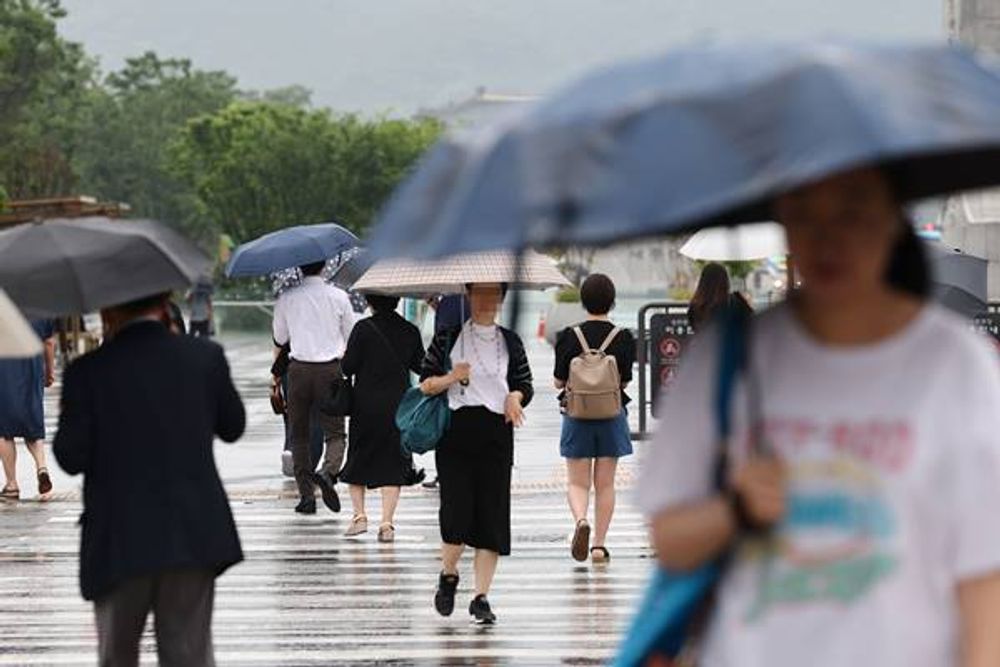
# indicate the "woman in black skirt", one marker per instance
pixel 488 387
pixel 381 352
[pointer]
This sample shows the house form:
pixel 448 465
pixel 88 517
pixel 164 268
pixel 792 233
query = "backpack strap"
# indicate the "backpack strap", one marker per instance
pixel 607 341
pixel 584 345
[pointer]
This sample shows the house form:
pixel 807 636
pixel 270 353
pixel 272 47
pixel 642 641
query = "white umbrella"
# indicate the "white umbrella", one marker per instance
pixel 17 338
pixel 449 276
pixel 734 244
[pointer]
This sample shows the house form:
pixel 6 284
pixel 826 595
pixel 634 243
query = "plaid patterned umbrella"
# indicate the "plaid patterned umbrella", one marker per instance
pixel 449 276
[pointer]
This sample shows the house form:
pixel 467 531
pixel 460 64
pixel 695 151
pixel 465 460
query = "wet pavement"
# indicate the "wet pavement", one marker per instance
pixel 307 595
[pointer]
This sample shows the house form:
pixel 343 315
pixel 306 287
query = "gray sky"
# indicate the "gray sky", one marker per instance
pixel 400 55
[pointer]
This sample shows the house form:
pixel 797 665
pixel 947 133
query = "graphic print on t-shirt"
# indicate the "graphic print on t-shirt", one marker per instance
pixel 836 542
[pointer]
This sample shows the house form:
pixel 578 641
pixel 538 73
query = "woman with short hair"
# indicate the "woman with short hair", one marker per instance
pixel 488 385
pixel 592 447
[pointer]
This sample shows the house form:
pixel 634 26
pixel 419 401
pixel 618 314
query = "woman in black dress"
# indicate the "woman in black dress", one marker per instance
pixel 488 386
pixel 381 352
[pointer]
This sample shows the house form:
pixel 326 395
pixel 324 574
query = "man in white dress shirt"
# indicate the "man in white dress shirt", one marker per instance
pixel 315 319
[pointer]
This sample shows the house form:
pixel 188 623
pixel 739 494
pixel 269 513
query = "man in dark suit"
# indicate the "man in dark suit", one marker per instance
pixel 138 419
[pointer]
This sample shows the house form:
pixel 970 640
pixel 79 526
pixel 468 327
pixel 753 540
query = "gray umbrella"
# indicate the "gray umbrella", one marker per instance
pixel 959 279
pixel 67 266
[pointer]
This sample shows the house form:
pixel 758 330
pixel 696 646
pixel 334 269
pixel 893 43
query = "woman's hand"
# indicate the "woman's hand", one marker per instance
pixel 513 410
pixel 460 372
pixel 760 484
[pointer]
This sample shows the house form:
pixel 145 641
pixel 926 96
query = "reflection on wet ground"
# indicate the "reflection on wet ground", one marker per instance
pixel 306 595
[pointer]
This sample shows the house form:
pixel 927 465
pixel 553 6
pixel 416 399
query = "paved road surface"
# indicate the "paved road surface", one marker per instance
pixel 307 595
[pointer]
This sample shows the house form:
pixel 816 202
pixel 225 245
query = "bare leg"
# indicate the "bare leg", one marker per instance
pixel 37 450
pixel 357 499
pixel 390 499
pixel 450 555
pixel 604 484
pixel 578 488
pixel 8 455
pixel 486 566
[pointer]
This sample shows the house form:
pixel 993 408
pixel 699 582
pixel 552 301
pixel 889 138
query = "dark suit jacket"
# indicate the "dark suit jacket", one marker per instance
pixel 138 419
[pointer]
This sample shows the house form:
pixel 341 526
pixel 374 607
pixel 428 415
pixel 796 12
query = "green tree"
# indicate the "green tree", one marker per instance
pixel 44 84
pixel 258 166
pixel 130 123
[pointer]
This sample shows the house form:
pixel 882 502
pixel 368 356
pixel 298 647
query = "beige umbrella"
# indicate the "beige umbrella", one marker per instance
pixel 449 276
pixel 17 338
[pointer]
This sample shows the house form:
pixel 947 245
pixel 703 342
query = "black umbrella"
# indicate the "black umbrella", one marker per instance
pixel 68 266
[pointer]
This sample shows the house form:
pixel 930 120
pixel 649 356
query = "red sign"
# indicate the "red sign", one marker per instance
pixel 670 348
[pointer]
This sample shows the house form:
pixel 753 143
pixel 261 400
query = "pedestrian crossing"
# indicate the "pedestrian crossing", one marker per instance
pixel 306 595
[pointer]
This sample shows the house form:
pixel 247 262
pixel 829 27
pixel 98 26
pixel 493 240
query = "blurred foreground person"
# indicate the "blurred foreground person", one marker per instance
pixel 22 388
pixel 138 420
pixel 859 506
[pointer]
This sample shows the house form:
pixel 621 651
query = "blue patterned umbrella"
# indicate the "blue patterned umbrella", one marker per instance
pixel 290 247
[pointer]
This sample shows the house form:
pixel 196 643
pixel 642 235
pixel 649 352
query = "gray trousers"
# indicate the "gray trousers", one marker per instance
pixel 308 386
pixel 181 602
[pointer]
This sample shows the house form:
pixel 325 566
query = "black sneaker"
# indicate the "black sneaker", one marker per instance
pixel 444 599
pixel 306 506
pixel 326 483
pixel 480 611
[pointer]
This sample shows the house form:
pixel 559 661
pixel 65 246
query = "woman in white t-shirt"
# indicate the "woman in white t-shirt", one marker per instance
pixel 879 505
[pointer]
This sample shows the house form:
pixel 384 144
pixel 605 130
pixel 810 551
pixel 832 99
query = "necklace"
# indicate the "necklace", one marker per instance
pixel 478 357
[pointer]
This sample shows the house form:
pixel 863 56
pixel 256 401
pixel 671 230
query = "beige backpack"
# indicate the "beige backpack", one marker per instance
pixel 594 387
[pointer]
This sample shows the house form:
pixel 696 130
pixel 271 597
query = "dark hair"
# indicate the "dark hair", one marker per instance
pixel 909 270
pixel 598 294
pixel 382 303
pixel 313 269
pixel 712 294
pixel 142 306
pixel 504 288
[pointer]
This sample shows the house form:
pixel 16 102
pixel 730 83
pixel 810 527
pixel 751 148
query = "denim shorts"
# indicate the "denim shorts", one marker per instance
pixel 595 438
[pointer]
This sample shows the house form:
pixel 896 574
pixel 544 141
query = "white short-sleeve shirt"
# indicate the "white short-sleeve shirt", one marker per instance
pixel 893 454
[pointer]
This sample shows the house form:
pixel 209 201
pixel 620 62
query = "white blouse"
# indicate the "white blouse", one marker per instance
pixel 485 350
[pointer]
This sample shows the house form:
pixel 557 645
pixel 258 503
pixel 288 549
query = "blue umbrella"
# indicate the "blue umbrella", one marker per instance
pixel 702 136
pixel 290 247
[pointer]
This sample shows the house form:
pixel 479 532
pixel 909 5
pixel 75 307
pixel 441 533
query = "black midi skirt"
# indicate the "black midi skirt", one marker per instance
pixel 474 461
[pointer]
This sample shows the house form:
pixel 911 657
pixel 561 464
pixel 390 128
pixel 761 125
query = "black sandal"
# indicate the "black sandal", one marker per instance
pixel 604 557
pixel 9 493
pixel 44 482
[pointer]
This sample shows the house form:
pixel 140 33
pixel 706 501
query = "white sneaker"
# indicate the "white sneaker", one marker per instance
pixel 287 466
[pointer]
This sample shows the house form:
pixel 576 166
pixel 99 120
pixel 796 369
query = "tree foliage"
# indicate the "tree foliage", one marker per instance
pixel 44 82
pixel 257 166
pixel 130 123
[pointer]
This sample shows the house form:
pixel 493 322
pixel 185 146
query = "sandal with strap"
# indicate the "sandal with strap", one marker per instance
pixel 386 533
pixel 10 493
pixel 599 555
pixel 581 540
pixel 359 525
pixel 44 482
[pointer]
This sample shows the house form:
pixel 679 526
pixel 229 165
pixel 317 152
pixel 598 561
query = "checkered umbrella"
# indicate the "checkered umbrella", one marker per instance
pixel 449 276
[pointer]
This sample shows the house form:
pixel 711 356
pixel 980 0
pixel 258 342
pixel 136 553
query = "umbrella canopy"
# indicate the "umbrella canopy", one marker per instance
pixel 737 244
pixel 62 267
pixel 959 279
pixel 290 247
pixel 699 137
pixel 17 338
pixel 450 276
pixel 350 271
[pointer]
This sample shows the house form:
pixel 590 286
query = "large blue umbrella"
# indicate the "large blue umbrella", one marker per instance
pixel 290 247
pixel 699 137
